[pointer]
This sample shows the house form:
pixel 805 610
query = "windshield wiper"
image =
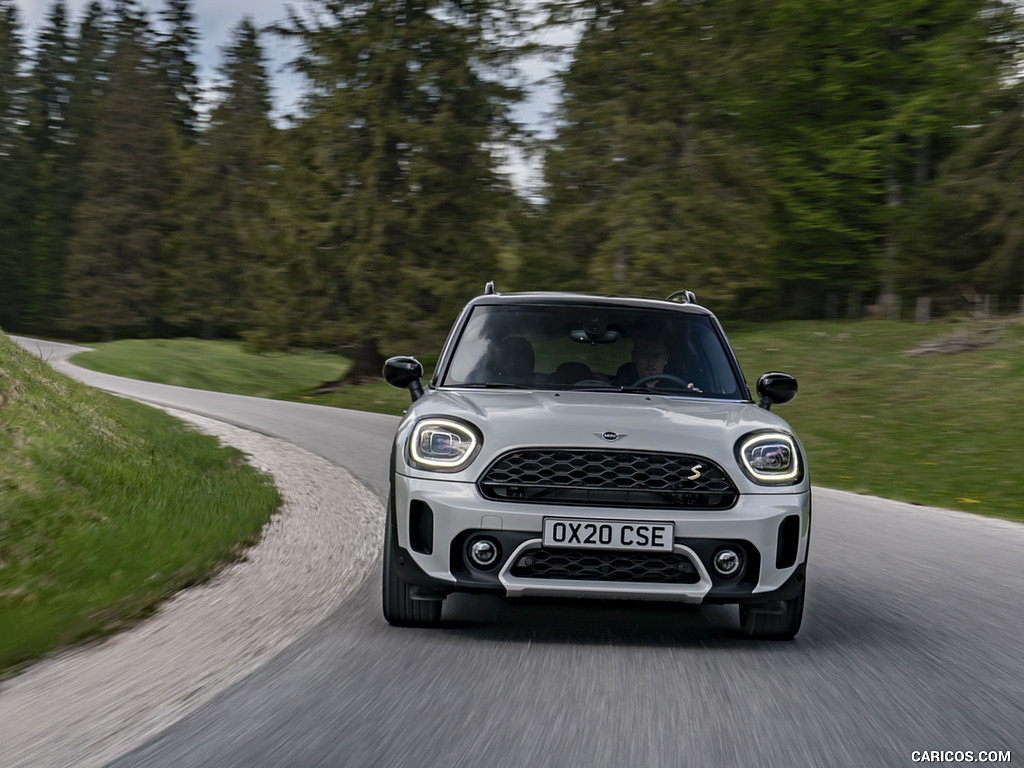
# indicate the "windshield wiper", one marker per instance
pixel 660 391
pixel 590 388
pixel 645 390
pixel 491 385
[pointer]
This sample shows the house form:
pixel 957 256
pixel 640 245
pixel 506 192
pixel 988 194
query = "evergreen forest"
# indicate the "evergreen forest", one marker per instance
pixel 785 159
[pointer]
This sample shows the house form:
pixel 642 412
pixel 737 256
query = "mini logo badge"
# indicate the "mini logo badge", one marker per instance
pixel 610 436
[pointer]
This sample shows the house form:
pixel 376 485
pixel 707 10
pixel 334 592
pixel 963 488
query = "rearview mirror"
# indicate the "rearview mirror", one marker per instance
pixel 594 337
pixel 775 389
pixel 405 373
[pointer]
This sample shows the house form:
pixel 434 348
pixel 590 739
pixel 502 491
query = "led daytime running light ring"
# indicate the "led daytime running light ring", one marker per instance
pixel 771 477
pixel 467 436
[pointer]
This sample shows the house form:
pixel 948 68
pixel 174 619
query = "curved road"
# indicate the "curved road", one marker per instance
pixel 911 641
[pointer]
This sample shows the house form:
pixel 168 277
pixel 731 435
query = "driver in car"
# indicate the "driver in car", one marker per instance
pixel 649 358
pixel 650 355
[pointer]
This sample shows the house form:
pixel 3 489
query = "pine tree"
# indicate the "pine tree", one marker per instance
pixel 405 103
pixel 762 154
pixel 53 146
pixel 221 205
pixel 178 45
pixel 861 104
pixel 92 53
pixel 16 172
pixel 964 235
pixel 116 268
pixel 650 184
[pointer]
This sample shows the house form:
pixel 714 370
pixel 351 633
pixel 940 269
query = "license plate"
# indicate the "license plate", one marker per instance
pixel 607 534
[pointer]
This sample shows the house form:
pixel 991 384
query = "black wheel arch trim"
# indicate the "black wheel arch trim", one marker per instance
pixel 790 589
pixel 405 565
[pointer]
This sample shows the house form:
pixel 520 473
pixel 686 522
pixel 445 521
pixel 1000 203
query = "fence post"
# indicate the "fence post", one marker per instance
pixel 991 306
pixel 892 304
pixel 923 313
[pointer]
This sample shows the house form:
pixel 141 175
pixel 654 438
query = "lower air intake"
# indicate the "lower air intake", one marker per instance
pixel 587 565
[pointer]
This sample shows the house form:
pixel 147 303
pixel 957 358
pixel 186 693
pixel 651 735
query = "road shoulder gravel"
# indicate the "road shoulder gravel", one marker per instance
pixel 85 707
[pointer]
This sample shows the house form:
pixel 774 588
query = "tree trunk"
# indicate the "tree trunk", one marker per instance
pixel 367 363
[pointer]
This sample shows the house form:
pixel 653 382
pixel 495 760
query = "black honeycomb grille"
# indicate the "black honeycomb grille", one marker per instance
pixel 604 565
pixel 608 479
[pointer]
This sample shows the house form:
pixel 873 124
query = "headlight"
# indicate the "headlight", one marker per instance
pixel 770 458
pixel 442 444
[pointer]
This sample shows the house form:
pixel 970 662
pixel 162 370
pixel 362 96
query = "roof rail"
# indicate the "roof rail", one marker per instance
pixel 489 288
pixel 683 297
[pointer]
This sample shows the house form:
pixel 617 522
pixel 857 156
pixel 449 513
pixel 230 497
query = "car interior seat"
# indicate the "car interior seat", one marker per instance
pixel 570 373
pixel 514 361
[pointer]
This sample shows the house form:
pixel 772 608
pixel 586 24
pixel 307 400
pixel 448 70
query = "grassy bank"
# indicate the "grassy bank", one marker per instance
pixel 107 507
pixel 936 429
pixel 219 366
pixel 224 366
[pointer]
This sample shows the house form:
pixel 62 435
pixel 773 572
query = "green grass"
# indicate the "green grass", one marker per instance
pixel 939 430
pixel 107 507
pixel 220 366
pixel 224 366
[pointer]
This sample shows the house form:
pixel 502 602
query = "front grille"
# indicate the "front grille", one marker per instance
pixel 608 479
pixel 604 565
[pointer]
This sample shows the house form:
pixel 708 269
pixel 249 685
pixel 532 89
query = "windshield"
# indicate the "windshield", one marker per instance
pixel 592 348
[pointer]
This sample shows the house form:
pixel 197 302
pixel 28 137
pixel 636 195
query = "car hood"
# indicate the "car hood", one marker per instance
pixel 511 419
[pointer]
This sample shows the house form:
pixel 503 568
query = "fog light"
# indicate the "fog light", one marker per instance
pixel 483 552
pixel 727 562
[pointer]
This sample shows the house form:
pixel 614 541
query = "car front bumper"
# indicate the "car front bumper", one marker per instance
pixel 435 518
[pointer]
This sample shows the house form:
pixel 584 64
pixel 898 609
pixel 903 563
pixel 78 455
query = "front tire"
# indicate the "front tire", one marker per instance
pixel 781 624
pixel 400 609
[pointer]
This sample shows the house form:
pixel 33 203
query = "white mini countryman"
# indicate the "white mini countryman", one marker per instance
pixel 595 446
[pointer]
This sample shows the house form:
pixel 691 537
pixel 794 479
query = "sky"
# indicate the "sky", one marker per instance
pixel 216 18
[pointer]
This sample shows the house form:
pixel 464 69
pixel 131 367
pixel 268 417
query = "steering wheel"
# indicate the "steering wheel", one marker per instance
pixel 646 381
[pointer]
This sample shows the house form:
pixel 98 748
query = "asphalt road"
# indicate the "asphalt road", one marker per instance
pixel 911 641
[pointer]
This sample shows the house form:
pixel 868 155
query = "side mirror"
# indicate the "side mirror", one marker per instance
pixel 775 389
pixel 405 373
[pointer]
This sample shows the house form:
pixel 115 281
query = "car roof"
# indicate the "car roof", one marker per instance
pixel 599 299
